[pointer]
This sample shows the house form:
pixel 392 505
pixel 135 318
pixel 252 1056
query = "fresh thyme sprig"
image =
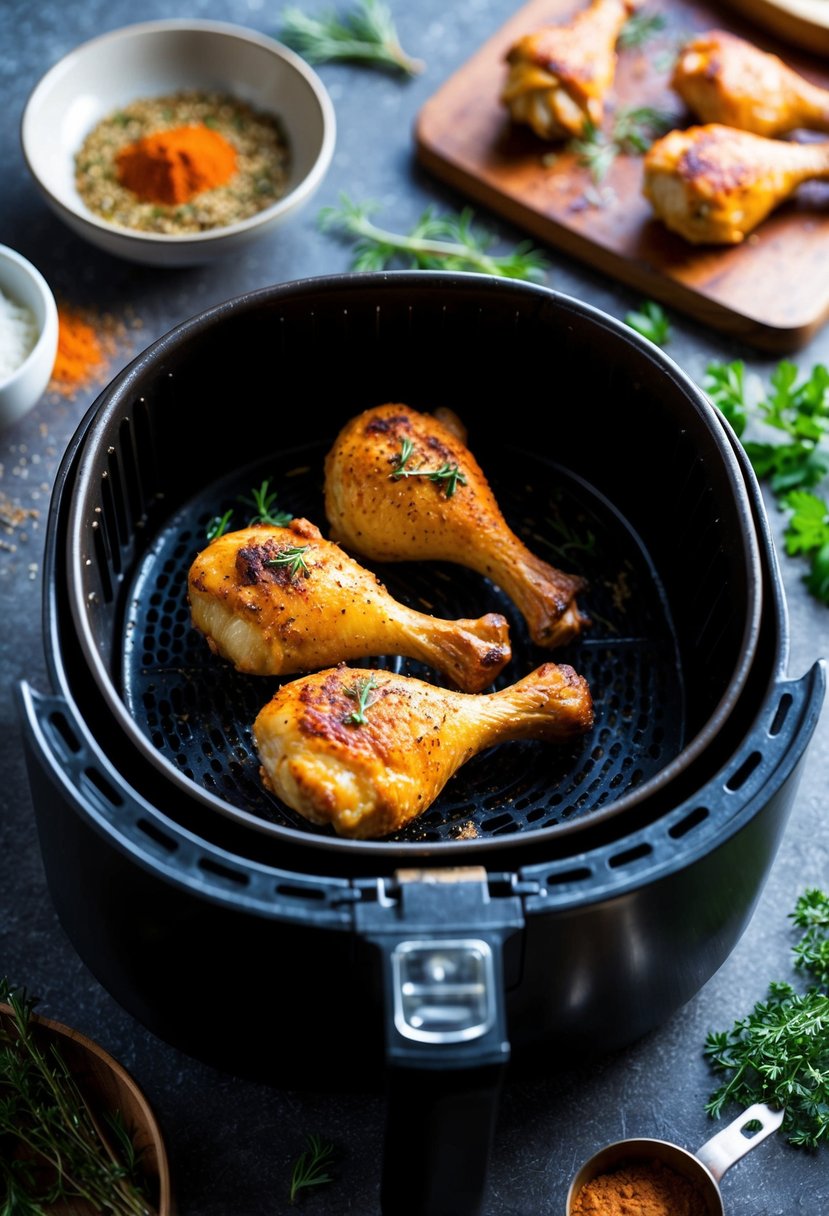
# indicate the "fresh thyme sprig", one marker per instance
pixel 367 34
pixel 632 132
pixel 436 242
pixel 292 556
pixel 449 474
pixel 361 693
pixel 64 1157
pixel 779 1052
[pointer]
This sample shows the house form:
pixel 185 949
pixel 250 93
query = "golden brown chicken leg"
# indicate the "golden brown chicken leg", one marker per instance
pixel 723 78
pixel 559 76
pixel 401 485
pixel 714 184
pixel 280 600
pixel 367 751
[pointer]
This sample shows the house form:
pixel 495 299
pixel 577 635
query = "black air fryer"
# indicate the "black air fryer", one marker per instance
pixel 551 901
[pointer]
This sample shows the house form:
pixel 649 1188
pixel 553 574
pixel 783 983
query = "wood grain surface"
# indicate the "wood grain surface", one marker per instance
pixel 804 23
pixel 772 291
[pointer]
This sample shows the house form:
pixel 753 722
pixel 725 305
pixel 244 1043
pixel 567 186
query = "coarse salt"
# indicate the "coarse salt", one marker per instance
pixel 18 334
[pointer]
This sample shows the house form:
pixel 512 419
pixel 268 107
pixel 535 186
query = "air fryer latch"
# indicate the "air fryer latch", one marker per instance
pixel 441 935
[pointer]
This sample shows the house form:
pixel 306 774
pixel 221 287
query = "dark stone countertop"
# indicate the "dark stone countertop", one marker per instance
pixel 231 1142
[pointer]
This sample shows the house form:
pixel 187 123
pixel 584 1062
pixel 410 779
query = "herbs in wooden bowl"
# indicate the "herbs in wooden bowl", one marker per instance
pixel 76 1133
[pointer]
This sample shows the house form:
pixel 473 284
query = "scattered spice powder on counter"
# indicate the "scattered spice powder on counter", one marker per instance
pixel 648 1188
pixel 173 166
pixel 87 343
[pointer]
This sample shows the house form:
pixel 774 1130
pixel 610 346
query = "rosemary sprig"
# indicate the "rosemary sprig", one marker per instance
pixel 449 474
pixel 367 34
pixel 312 1166
pixel 292 556
pixel 64 1157
pixel 436 242
pixel 218 525
pixel 361 693
pixel 632 132
pixel 262 500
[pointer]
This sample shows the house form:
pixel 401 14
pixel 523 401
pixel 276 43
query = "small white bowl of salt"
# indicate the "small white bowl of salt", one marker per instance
pixel 28 335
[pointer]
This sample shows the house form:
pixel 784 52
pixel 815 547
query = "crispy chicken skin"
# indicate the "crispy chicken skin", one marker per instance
pixel 375 511
pixel 713 184
pixel 368 778
pixel 725 79
pixel 558 77
pixel 277 619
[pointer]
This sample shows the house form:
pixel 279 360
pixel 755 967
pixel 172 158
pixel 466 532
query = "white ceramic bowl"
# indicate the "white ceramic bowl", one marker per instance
pixel 24 285
pixel 153 58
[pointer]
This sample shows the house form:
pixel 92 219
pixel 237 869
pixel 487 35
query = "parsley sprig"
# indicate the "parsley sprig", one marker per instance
pixel 791 420
pixel 449 474
pixel 436 242
pixel 651 321
pixel 779 1052
pixel 366 34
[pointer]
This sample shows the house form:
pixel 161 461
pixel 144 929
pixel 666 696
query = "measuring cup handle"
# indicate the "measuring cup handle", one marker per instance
pixel 729 1145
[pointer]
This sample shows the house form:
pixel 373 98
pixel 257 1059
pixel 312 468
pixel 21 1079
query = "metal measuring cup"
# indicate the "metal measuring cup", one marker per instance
pixel 703 1169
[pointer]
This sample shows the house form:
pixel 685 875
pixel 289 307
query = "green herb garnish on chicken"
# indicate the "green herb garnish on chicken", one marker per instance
pixel 436 242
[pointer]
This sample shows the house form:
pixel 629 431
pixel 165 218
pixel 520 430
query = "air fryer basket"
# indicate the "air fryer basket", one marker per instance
pixel 605 459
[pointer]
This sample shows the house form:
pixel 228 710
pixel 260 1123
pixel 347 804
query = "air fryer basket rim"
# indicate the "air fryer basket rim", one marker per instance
pixel 122 390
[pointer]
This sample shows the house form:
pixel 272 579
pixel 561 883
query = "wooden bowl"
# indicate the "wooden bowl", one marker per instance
pixel 108 1087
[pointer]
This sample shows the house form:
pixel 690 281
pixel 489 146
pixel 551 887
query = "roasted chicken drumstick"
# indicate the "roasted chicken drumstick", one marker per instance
pixel 367 751
pixel 275 601
pixel 714 184
pixel 723 78
pixel 559 75
pixel 401 485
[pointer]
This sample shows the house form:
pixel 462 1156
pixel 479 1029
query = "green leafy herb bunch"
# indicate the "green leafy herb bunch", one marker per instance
pixel 779 1052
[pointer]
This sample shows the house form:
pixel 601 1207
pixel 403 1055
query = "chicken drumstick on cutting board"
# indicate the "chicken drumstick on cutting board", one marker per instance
pixel 714 184
pixel 725 79
pixel 558 76
pixel 401 485
pixel 366 751
pixel 275 601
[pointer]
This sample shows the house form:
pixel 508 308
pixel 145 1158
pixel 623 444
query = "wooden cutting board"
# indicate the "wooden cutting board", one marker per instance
pixel 771 292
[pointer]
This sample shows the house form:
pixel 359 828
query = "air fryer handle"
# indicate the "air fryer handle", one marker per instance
pixel 441 943
pixel 439 1131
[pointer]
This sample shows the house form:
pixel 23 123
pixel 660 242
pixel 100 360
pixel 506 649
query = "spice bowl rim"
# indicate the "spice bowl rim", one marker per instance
pixel 126 64
pixel 21 391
